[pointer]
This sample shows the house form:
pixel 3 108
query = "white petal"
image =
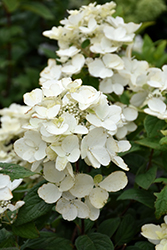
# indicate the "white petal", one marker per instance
pixel 66 184
pixel 33 97
pixel 93 212
pixel 101 155
pixel 130 114
pixel 5 194
pixel 82 209
pixel 68 210
pixel 49 193
pixel 83 185
pixel 149 231
pixel 16 206
pixel 120 162
pixel 157 105
pixel 4 180
pixel 51 173
pixel 61 163
pixel 114 182
pixel 98 197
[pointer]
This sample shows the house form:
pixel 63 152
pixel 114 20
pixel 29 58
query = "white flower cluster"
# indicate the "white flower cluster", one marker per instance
pixel 156 234
pixel 69 120
pixel 6 188
pixel 12 119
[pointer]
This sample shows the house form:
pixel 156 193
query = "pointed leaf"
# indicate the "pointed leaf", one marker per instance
pixel 109 226
pixel 27 230
pixel 14 171
pixel 142 196
pixel 94 241
pixel 161 203
pixel 145 180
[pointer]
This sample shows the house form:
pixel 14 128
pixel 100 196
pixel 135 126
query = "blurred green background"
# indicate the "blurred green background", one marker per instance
pixel 24 50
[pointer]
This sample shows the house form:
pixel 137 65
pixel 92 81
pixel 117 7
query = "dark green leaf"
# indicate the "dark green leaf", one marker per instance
pixel 94 241
pixel 27 230
pixel 153 125
pixel 11 5
pixel 126 230
pixel 164 180
pixel 161 203
pixel 144 245
pixel 6 238
pixel 152 143
pixel 14 171
pixel 109 226
pixel 9 248
pixel 48 241
pixel 145 180
pixel 85 43
pixel 38 8
pixel 33 208
pixel 142 196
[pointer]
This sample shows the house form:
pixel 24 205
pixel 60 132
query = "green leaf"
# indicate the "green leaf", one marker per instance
pixel 27 230
pixel 11 5
pixel 109 226
pixel 144 26
pixel 85 43
pixel 144 245
pixel 161 203
pixel 33 208
pixel 163 180
pixel 48 241
pixel 38 8
pixel 142 196
pixel 9 248
pixel 126 230
pixel 153 125
pixel 152 143
pixel 145 180
pixel 94 241
pixel 14 171
pixel 6 238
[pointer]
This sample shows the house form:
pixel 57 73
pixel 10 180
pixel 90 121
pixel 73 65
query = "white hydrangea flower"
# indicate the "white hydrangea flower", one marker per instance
pixel 105 116
pixel 6 188
pixel 156 107
pixel 114 147
pixel 93 148
pixel 155 233
pixel 97 68
pixel 114 84
pixel 92 25
pixel 70 207
pixel 74 66
pixel 31 147
pixel 68 151
pixel 86 96
pixel 103 46
pixel 33 97
pixel 50 73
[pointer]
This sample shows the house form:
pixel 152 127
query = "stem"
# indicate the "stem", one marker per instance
pixel 9 56
pixel 150 159
pixel 82 227
pixel 77 166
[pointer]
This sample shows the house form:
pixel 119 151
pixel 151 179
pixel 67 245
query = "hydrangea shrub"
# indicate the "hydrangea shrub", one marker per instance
pixel 89 145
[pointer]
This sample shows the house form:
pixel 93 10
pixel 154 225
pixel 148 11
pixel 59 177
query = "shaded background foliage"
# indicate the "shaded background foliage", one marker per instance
pixel 24 50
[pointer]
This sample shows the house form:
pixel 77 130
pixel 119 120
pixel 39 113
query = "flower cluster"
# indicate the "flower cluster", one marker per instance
pixel 69 121
pixel 12 119
pixel 156 234
pixel 6 188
